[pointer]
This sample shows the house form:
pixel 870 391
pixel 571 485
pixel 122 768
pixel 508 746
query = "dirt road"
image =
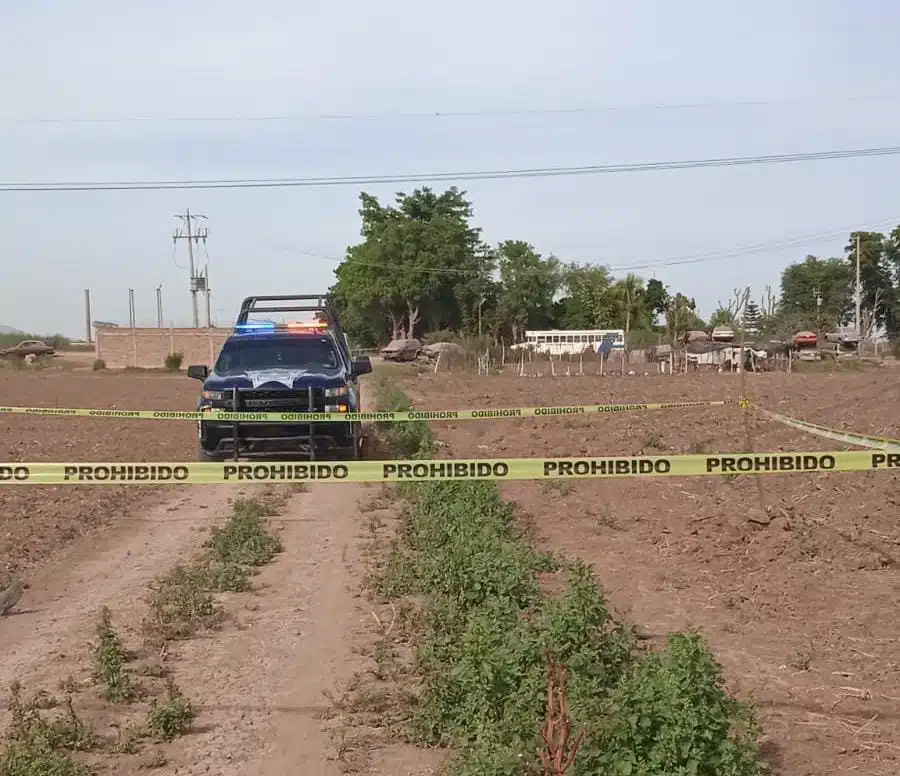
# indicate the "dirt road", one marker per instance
pixel 263 684
pixel 265 687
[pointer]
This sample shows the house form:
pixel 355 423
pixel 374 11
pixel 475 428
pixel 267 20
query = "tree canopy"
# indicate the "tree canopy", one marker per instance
pixel 422 266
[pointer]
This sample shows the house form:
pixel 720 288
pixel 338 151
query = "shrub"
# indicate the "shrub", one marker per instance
pixel 672 715
pixel 173 361
pixel 173 716
pixel 99 365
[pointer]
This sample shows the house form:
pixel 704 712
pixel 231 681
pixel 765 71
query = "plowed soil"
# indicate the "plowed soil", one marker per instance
pixel 36 521
pixel 264 684
pixel 794 579
pixel 796 583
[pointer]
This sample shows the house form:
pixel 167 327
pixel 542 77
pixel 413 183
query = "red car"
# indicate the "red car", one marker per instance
pixel 805 339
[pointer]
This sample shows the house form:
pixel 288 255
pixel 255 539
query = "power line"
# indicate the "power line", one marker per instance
pixel 439 114
pixel 790 242
pixel 507 174
pixel 673 261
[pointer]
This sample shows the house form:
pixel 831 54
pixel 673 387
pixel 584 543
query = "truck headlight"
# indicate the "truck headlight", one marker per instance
pixel 214 395
pixel 339 391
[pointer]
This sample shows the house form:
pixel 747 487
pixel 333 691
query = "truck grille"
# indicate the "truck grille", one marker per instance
pixel 283 401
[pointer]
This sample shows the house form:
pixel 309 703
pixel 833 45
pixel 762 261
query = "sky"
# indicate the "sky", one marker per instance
pixel 100 91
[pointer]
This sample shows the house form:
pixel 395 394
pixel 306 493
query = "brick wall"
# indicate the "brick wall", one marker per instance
pixel 148 348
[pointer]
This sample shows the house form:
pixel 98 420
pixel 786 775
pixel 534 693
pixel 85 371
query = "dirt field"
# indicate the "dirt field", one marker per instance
pixel 34 522
pixel 803 611
pixel 262 684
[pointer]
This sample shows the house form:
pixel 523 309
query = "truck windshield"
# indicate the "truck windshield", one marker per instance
pixel 249 355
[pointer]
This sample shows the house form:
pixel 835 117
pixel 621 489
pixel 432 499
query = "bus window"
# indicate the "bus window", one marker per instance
pixel 556 338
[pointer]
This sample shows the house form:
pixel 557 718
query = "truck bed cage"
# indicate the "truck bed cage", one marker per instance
pixel 315 303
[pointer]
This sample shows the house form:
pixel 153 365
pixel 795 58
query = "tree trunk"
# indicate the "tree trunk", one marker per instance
pixel 396 326
pixel 412 319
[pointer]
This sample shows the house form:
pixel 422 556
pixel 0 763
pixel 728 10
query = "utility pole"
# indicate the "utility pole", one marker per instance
pixel 131 315
pixel 817 295
pixel 159 306
pixel 858 298
pixel 87 315
pixel 193 237
pixel 208 300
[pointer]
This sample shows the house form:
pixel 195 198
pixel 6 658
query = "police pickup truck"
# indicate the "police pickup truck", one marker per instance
pixel 291 369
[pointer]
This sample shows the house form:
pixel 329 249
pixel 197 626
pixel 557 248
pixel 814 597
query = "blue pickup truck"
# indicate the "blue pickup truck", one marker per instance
pixel 290 368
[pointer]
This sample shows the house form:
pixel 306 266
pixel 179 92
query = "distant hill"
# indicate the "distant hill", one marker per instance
pixel 9 330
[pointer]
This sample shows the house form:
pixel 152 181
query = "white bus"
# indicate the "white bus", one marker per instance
pixel 572 342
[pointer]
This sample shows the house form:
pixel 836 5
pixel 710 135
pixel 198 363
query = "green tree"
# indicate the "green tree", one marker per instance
pixel 681 316
pixel 528 284
pixel 630 297
pixel 363 316
pixel 878 296
pixel 721 317
pixel 815 293
pixel 892 254
pixel 892 257
pixel 752 318
pixel 420 265
pixel 656 298
pixel 589 303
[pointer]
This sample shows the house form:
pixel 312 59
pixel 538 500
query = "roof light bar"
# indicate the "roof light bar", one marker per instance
pixel 271 326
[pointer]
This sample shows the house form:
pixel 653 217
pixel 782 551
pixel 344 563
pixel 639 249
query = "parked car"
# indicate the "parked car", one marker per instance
pixel 28 348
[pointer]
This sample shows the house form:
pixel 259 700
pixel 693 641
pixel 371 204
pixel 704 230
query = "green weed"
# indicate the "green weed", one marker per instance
pixel 181 604
pixel 487 629
pixel 244 540
pixel 171 717
pixel 109 662
pixel 671 715
pixel 405 440
pixel 38 746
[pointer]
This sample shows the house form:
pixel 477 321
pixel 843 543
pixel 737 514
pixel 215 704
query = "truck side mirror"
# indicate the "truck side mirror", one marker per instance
pixel 360 366
pixel 198 372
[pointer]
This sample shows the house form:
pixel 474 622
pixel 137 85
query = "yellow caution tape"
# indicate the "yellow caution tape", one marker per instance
pixel 348 417
pixel 445 470
pixel 833 434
